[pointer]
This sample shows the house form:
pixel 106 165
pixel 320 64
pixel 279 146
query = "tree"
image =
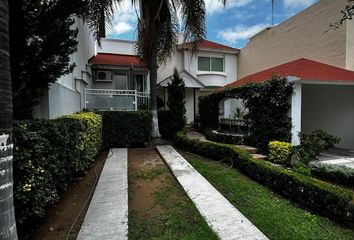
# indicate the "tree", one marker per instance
pixel 348 14
pixel 41 42
pixel 7 214
pixel 158 29
pixel 176 102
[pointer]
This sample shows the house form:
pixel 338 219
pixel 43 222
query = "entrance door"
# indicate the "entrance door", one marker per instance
pixel 120 82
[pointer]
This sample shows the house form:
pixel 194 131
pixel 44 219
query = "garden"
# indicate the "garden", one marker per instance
pixel 57 165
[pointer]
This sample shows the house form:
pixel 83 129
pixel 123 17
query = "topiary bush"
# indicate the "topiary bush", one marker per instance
pixel 334 201
pixel 126 129
pixel 267 116
pixel 48 154
pixel 279 152
pixel 167 126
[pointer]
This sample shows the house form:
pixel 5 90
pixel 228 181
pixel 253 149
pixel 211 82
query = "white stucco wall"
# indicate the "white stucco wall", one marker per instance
pixel 302 36
pixel 85 50
pixel 330 108
pixel 116 46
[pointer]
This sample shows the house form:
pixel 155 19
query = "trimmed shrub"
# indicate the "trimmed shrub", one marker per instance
pixel 48 154
pixel 224 137
pixel 126 129
pixel 331 200
pixel 279 152
pixel 311 145
pixel 334 173
pixel 267 104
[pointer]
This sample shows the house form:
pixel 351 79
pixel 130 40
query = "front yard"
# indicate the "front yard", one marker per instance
pixel 275 216
pixel 158 206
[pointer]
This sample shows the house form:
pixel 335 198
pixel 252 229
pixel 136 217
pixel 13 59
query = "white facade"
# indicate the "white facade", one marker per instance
pixel 66 96
pixel 186 63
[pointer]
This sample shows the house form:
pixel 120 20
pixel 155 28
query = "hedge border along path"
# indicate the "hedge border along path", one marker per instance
pixel 225 220
pixel 335 202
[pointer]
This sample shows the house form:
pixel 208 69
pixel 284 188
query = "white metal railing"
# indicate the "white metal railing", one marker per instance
pixel 114 99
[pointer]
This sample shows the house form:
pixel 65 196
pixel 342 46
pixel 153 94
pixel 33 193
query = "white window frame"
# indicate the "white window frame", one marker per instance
pixel 210 63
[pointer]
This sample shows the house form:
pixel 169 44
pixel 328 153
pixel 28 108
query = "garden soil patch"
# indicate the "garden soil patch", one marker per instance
pixel 147 175
pixel 59 218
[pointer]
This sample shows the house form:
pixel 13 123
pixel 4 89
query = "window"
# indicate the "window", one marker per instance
pixel 210 64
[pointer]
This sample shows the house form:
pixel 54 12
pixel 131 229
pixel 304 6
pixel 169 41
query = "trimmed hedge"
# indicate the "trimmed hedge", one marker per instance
pixel 331 200
pixel 126 129
pixel 334 173
pixel 169 124
pixel 224 137
pixel 48 154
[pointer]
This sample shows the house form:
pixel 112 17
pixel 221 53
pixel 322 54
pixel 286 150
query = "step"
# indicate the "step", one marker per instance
pixel 221 216
pixel 249 149
pixel 259 156
pixel 107 215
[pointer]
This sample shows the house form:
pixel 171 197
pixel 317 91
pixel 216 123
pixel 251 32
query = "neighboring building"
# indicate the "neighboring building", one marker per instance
pixel 66 96
pixel 304 35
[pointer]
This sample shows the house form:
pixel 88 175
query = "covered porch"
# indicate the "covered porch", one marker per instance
pixel 120 83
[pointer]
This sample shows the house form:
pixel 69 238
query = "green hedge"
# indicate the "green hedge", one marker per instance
pixel 169 124
pixel 48 154
pixel 126 129
pixel 224 138
pixel 334 173
pixel 268 106
pixel 331 200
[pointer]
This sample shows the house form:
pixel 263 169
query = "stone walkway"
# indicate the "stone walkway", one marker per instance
pixel 337 159
pixel 107 216
pixel 225 220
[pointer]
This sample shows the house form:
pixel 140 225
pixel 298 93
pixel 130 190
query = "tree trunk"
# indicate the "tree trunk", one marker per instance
pixel 7 214
pixel 155 133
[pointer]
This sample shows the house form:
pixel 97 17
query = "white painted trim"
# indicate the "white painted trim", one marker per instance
pixel 296 113
pixel 349 83
pixel 199 73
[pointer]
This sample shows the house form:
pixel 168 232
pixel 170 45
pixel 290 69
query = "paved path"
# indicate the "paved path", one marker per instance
pixel 107 216
pixel 337 159
pixel 225 220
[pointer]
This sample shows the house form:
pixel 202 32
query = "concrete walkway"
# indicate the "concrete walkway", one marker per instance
pixel 107 216
pixel 225 220
pixel 337 159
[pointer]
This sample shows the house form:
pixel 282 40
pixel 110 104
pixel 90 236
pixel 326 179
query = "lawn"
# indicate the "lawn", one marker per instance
pixel 276 217
pixel 158 206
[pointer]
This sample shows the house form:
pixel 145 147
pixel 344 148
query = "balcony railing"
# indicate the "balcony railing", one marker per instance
pixel 116 100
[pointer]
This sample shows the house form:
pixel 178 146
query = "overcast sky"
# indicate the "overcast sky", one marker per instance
pixel 231 25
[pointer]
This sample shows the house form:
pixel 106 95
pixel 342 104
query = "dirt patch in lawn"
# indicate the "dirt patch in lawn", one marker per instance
pixel 147 175
pixel 59 218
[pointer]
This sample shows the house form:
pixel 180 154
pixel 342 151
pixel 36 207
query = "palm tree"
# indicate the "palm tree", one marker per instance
pixel 158 28
pixel 7 213
pixel 157 33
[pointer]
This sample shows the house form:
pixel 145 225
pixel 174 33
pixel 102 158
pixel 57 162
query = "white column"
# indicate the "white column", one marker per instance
pixel 296 113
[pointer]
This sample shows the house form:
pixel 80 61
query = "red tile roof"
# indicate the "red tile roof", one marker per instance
pixel 116 60
pixel 209 44
pixel 304 69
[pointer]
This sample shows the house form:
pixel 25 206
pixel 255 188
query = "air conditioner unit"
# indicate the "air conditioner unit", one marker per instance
pixel 103 76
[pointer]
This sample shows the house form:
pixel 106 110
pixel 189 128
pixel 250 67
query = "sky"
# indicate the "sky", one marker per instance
pixel 231 25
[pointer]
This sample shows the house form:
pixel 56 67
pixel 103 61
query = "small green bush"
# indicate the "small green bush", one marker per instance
pixel 126 129
pixel 48 154
pixel 279 152
pixel 329 199
pixel 311 145
pixel 224 137
pixel 334 173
